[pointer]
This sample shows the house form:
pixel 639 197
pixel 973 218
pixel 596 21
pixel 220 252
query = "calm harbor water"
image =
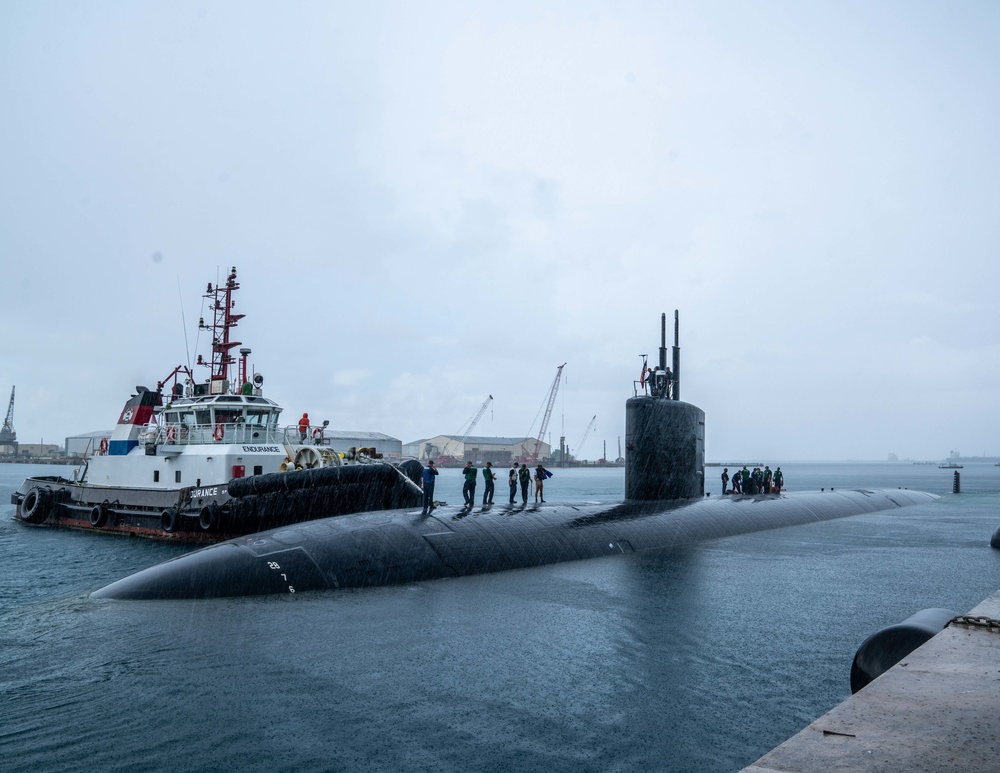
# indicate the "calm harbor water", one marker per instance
pixel 701 658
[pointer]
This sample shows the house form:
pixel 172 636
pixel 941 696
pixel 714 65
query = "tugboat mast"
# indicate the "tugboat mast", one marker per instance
pixel 223 320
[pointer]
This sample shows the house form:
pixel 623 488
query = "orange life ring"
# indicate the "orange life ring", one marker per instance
pixel 104 445
pixel 171 434
pixel 219 432
pixel 317 433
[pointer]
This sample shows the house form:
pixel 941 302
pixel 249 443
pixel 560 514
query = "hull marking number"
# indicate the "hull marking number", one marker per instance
pixel 275 566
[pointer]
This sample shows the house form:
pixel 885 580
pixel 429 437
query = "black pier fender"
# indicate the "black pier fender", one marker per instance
pixel 884 649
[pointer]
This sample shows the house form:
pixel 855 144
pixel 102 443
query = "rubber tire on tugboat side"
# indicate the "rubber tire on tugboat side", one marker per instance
pixel 206 518
pixel 168 520
pixel 37 505
pixel 98 516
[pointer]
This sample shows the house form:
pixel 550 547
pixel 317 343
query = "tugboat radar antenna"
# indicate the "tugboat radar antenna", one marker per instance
pixel 223 320
pixel 187 346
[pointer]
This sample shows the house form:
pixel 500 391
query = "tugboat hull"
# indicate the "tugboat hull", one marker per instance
pixel 214 513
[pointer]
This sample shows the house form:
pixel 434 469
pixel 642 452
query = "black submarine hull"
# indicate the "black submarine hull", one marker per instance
pixel 400 546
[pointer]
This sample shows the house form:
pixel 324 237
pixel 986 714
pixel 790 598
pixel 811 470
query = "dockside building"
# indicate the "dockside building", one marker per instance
pixel 475 448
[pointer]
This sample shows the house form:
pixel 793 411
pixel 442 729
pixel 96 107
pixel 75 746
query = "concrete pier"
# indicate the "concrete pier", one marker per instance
pixel 936 710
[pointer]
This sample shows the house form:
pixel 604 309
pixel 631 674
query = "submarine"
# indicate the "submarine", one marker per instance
pixel 665 507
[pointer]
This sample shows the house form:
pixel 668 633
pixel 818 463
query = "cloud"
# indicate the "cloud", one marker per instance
pixel 429 205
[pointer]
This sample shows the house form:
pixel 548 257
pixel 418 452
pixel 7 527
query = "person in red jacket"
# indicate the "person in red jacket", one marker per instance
pixel 303 427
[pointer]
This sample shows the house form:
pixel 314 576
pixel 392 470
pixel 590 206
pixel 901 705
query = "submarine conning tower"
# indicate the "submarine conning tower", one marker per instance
pixel 664 437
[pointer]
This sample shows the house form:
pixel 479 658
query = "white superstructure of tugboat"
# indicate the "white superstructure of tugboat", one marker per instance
pixel 210 460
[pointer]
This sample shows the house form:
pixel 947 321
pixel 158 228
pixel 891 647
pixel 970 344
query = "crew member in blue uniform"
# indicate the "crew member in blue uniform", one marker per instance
pixel 512 480
pixel 429 473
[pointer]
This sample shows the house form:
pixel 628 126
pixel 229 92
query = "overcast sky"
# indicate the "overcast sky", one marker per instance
pixel 429 203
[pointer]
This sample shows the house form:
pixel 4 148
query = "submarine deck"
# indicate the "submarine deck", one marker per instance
pixel 398 546
pixel 936 710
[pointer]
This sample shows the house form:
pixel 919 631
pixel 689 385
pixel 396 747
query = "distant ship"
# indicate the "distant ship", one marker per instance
pixel 213 463
pixel 951 466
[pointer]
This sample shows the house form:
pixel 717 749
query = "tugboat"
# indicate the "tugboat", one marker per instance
pixel 209 461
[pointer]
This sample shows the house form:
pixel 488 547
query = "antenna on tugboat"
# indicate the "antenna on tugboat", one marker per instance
pixel 221 324
pixel 187 346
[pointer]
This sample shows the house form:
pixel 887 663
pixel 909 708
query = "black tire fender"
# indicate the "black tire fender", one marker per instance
pixel 98 516
pixel 206 518
pixel 37 505
pixel 168 520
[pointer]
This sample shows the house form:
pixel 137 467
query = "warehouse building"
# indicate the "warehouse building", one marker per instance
pixel 477 449
pixel 343 440
pixel 87 444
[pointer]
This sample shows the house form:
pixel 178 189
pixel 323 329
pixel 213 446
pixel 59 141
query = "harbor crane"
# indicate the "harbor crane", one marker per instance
pixel 8 437
pixel 586 434
pixel 532 456
pixel 467 430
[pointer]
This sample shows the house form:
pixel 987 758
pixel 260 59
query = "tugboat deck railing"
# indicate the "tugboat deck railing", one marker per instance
pixel 237 432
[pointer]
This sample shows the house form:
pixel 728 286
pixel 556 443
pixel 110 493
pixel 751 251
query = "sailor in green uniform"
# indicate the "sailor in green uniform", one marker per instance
pixel 490 476
pixel 469 487
pixel 524 478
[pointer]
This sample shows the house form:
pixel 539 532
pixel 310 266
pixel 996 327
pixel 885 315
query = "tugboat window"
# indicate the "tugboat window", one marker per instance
pixel 177 476
pixel 156 476
pixel 225 417
pixel 257 417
